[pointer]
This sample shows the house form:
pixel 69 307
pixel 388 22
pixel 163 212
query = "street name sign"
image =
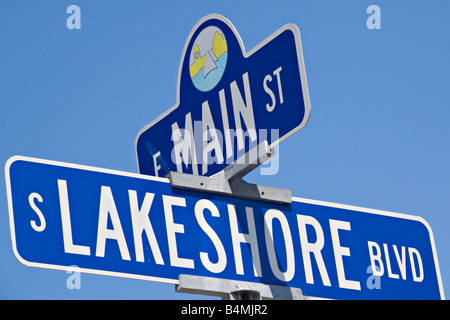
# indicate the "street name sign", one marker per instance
pixel 137 226
pixel 229 102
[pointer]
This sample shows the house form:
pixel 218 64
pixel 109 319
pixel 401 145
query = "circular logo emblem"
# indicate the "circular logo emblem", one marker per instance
pixel 208 58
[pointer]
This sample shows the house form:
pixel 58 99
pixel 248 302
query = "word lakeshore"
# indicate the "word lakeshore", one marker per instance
pixel 130 225
pixel 140 223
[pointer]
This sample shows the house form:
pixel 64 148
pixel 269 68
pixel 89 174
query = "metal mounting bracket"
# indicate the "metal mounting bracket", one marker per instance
pixel 235 290
pixel 229 181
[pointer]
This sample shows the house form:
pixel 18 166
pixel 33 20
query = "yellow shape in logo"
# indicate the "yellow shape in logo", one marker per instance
pixel 219 45
pixel 199 62
pixel 208 58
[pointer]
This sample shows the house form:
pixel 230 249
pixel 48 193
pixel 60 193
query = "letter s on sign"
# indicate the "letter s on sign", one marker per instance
pixel 31 199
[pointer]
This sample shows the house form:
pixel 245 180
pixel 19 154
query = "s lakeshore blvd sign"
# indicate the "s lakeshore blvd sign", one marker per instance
pixel 137 226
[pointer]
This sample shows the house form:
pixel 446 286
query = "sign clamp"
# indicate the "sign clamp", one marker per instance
pixel 229 181
pixel 235 290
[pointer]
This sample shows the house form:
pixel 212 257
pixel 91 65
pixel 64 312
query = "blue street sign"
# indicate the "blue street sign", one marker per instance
pixel 228 101
pixel 136 226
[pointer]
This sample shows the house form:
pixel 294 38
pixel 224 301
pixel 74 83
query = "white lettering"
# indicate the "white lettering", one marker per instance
pixel 155 163
pixel 270 215
pixel 69 247
pixel 269 107
pixel 417 274
pixel 388 263
pixel 221 263
pixel 414 258
pixel 36 196
pixel 108 209
pixel 401 261
pixel 250 238
pixel 276 73
pixel 174 228
pixel 243 109
pixel 184 146
pixel 268 78
pixel 226 125
pixel 377 270
pixel 141 222
pixel 214 144
pixel 339 251
pixel 314 248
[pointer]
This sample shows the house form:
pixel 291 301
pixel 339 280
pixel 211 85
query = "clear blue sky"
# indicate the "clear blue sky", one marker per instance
pixel 378 135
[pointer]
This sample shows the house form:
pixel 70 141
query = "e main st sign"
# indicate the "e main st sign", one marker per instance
pixel 228 101
pixel 139 226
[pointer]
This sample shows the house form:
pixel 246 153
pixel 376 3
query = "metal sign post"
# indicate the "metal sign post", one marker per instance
pixel 235 290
